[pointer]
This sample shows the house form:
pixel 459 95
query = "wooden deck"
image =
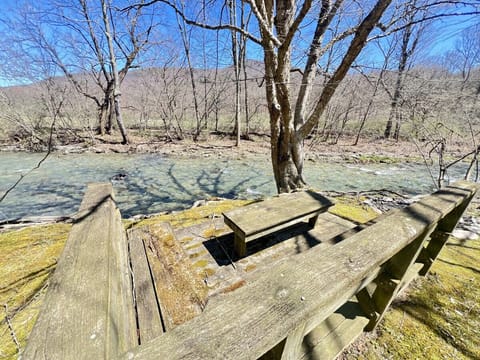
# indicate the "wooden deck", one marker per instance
pixel 185 294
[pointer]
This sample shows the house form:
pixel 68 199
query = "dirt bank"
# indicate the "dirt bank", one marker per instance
pixel 223 146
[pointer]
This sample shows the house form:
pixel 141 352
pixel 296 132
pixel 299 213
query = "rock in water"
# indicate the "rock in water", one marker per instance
pixel 119 177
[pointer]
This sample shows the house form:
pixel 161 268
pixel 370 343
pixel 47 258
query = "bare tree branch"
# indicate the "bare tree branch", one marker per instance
pixel 188 21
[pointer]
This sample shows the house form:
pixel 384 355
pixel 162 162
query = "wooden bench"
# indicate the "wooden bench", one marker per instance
pixel 266 217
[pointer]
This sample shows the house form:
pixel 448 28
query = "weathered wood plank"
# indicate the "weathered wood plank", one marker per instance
pixel 180 291
pixel 440 237
pixel 248 322
pixel 88 308
pixel 335 333
pixel 253 219
pixel 146 304
pixel 293 343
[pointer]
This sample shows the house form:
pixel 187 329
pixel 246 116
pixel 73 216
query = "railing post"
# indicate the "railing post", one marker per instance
pixel 440 236
pixel 293 343
pixel 376 299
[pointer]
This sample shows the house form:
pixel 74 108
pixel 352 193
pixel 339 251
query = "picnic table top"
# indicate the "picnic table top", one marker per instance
pixel 277 210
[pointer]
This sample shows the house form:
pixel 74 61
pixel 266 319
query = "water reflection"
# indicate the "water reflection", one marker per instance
pixel 149 183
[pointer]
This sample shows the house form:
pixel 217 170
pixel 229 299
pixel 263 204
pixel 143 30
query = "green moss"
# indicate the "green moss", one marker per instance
pixel 22 323
pixel 186 239
pixel 209 272
pixel 213 232
pixel 198 254
pixel 200 263
pixel 353 209
pixel 195 215
pixel 193 246
pixel 28 256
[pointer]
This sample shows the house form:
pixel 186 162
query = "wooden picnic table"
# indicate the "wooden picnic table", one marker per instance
pixel 266 217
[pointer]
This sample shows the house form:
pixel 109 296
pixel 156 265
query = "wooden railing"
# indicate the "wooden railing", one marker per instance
pixel 311 303
pixel 88 309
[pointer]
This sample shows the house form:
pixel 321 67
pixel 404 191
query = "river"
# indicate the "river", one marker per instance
pixel 151 183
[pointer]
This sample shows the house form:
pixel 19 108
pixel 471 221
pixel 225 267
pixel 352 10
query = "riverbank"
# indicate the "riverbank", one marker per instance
pixel 368 149
pixel 152 175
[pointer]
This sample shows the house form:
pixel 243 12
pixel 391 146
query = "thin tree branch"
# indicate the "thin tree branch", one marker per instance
pixel 22 176
pixel 353 51
pixel 10 327
pixel 188 21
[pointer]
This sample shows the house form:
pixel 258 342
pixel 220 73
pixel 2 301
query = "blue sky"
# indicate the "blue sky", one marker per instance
pixel 445 37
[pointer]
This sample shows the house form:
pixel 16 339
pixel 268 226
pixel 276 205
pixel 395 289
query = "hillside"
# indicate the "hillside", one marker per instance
pixel 437 105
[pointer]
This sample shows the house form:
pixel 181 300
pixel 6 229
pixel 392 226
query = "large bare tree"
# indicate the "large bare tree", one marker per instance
pixel 407 40
pixel 86 41
pixel 292 118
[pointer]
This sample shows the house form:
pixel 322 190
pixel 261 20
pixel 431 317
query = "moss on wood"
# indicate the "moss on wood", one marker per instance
pixel 351 208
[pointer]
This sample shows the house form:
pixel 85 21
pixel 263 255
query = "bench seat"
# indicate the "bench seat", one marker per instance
pixel 266 217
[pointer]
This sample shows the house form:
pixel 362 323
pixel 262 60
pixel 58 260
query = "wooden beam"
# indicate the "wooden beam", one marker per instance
pixel 149 318
pixel 440 237
pixel 88 309
pixel 180 291
pixel 293 343
pixel 335 333
pixel 248 322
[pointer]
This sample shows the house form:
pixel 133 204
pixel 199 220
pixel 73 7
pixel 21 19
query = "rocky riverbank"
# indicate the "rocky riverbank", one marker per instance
pixel 368 150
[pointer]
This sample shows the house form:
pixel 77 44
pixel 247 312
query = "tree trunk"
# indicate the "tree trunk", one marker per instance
pixel 288 132
pixel 102 117
pixel 398 124
pixel 236 68
pixel 193 83
pixel 243 63
pixel 110 114
pixel 116 85
pixel 406 51
pixel 286 147
pixel 118 115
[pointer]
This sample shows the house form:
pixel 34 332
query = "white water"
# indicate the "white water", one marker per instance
pixel 154 183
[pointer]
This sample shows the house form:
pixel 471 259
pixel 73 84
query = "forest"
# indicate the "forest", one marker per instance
pixel 292 71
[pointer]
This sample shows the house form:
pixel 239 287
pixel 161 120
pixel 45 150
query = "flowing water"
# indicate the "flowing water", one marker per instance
pixel 150 183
